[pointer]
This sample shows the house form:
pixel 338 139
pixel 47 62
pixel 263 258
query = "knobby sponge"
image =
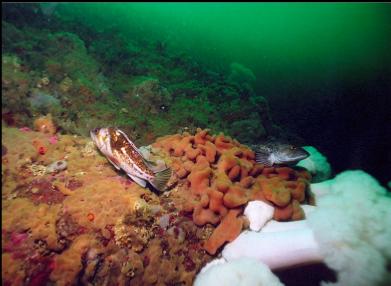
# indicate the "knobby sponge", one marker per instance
pixel 220 176
pixel 229 228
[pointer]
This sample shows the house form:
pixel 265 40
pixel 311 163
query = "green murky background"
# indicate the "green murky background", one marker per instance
pixel 275 40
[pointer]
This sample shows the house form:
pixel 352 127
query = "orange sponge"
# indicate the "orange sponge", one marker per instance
pixel 202 216
pixel 192 153
pixel 199 180
pixel 256 170
pixel 221 176
pixel 298 212
pixel 179 148
pixel 234 173
pixel 216 202
pixel 209 150
pixel 247 182
pixel 188 165
pixel 250 155
pixel 223 143
pixel 229 228
pixel 167 143
pixel 235 197
pixel 268 171
pixel 275 191
pixel 283 213
pixel 201 136
pixel 286 173
pixel 226 163
pixel 222 182
pixel 297 189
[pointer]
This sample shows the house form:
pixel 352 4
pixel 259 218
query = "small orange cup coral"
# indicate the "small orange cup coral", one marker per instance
pixel 90 216
pixel 40 147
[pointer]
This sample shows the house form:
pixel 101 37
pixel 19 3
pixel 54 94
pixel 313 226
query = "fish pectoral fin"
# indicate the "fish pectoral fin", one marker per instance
pixel 144 152
pixel 138 180
pixel 150 164
pixel 161 179
pixel 263 158
pixel 114 162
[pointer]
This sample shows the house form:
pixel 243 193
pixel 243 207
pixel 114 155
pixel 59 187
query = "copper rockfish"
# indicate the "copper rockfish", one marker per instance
pixel 123 154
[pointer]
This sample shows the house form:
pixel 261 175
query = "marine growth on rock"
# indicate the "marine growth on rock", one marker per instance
pixel 218 176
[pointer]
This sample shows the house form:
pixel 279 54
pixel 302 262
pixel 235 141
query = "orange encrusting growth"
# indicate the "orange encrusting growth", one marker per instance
pixel 221 176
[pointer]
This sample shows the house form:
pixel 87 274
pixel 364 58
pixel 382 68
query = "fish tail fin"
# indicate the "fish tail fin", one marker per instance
pixel 161 179
pixel 263 158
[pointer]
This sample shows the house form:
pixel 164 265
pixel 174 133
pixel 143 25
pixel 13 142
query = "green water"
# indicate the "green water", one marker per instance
pixel 325 68
pixel 273 39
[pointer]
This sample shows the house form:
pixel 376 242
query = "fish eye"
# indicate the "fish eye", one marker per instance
pixel 293 148
pixel 95 130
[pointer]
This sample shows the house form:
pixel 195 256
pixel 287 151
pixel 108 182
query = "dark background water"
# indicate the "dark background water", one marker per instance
pixel 325 68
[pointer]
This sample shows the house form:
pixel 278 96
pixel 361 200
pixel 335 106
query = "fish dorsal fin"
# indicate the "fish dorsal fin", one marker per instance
pixel 265 148
pixel 262 157
pixel 138 180
pixel 161 179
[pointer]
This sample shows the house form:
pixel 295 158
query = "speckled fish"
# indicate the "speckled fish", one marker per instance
pixel 275 153
pixel 123 154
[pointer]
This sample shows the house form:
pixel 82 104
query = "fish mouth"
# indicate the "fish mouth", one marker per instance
pixel 303 155
pixel 94 135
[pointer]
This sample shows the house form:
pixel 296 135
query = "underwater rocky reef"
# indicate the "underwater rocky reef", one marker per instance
pixel 111 81
pixel 69 217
